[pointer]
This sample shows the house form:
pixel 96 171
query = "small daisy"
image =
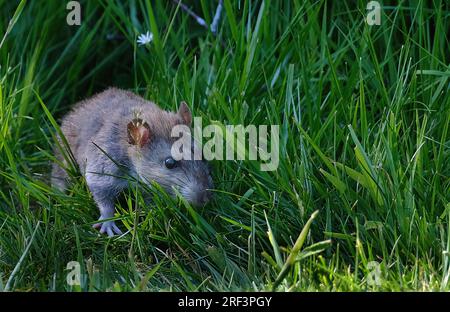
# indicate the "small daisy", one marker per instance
pixel 145 38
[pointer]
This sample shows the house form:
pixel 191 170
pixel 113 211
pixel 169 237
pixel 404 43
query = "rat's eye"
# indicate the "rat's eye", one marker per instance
pixel 170 162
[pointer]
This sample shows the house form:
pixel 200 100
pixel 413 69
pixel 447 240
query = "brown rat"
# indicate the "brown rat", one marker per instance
pixel 116 130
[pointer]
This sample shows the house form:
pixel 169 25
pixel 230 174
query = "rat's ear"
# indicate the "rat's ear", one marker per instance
pixel 185 113
pixel 138 132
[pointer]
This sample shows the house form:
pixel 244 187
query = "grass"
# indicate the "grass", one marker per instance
pixel 364 114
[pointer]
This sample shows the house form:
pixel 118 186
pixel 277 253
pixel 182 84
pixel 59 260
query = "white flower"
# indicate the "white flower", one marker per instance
pixel 145 38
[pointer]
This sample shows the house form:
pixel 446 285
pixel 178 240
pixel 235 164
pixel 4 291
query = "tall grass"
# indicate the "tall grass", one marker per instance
pixel 364 113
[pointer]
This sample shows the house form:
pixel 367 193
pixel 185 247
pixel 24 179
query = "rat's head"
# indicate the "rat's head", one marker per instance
pixel 151 143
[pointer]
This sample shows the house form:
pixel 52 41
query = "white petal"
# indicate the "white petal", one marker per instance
pixel 145 38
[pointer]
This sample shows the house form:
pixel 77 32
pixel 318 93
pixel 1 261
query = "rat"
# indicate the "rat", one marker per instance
pixel 118 130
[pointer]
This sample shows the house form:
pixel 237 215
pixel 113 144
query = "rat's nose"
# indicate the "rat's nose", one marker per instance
pixel 203 197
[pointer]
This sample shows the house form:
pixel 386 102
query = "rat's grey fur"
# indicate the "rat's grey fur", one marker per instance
pixel 103 120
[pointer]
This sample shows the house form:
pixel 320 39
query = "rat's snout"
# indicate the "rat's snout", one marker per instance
pixel 198 185
pixel 201 189
pixel 204 193
pixel 203 197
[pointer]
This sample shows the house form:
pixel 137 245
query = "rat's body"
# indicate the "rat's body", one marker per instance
pixel 117 127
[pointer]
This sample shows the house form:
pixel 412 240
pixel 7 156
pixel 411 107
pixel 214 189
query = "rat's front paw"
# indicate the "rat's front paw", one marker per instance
pixel 108 227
